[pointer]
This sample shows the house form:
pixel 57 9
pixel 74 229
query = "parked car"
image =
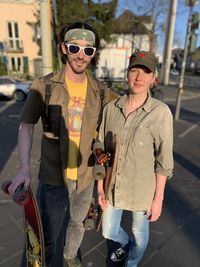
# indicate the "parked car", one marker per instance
pixel 13 88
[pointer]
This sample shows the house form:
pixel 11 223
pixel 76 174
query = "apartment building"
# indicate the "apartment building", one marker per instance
pixel 19 35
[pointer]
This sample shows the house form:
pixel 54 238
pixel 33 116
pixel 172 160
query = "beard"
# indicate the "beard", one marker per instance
pixel 78 66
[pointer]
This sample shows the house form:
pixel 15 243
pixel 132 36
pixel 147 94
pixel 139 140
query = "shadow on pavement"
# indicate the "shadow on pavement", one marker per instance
pixel 187 164
pixel 185 114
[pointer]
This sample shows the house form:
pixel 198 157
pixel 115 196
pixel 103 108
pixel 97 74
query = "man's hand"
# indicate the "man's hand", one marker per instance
pixel 23 177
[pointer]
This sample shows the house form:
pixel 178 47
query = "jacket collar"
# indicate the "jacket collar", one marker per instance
pixel 146 107
pixel 59 77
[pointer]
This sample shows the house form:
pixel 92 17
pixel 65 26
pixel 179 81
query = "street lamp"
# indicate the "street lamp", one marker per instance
pixel 191 4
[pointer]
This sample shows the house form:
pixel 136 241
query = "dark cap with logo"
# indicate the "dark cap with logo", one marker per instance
pixel 143 58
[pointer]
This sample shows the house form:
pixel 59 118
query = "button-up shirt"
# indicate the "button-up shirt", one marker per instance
pixel 143 148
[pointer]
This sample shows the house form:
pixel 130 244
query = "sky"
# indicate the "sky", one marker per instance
pixel 180 24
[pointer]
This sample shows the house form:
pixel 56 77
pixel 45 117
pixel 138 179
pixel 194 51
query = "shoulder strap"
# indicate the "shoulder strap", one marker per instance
pixel 47 90
pixel 47 96
pixel 101 89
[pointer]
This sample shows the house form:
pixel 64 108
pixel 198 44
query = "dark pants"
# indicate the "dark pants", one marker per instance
pixel 55 202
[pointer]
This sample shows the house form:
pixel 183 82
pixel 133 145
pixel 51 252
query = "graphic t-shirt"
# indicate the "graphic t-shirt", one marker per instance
pixel 77 92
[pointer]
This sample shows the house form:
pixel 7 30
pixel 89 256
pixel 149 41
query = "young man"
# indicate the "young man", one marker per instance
pixel 70 120
pixel 139 129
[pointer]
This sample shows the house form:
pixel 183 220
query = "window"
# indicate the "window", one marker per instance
pixel 13 35
pixel 16 63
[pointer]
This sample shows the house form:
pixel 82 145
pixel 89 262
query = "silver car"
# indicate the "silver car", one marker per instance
pixel 13 88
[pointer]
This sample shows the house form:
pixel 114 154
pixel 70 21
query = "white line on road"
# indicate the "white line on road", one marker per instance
pixel 10 103
pixel 13 116
pixel 190 129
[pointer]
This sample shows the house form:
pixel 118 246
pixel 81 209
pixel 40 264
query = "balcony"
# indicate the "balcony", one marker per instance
pixel 14 46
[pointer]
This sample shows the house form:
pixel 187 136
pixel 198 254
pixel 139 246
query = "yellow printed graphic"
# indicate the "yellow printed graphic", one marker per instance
pixel 77 92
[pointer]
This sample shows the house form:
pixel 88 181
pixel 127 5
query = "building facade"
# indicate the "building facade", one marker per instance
pixel 19 34
pixel 20 48
pixel 114 57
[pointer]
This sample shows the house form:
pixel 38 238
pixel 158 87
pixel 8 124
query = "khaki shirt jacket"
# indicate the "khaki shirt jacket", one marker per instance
pixel 54 148
pixel 143 144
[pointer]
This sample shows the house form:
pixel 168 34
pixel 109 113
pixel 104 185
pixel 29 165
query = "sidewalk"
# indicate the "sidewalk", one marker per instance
pixel 174 239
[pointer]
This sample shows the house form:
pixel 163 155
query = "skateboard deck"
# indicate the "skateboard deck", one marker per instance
pixel 35 254
pixel 108 180
pixel 103 168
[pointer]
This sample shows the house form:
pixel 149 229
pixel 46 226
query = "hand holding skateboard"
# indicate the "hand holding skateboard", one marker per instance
pixel 32 224
pixel 102 160
pixel 20 195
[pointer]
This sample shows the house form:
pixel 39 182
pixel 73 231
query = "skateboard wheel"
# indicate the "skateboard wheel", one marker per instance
pixel 99 172
pixel 89 224
pixel 4 186
pixel 98 145
pixel 21 197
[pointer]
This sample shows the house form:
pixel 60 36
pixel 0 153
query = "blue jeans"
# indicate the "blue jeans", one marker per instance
pixel 111 229
pixel 55 203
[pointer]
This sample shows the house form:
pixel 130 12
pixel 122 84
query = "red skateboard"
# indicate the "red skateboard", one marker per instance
pixel 32 225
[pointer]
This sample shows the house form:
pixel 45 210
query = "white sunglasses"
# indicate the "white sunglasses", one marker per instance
pixel 75 49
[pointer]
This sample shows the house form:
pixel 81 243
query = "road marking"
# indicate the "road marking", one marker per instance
pixel 184 98
pixel 7 105
pixel 5 201
pixel 13 116
pixel 92 249
pixel 11 256
pixel 190 129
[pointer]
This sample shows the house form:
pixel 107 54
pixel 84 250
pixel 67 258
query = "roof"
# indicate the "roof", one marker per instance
pixel 128 23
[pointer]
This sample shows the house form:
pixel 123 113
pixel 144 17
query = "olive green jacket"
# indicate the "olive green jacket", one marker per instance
pixel 54 148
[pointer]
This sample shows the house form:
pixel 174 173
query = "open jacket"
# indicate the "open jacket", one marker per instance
pixel 54 148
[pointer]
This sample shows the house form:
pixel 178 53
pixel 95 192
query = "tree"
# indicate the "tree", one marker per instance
pixel 70 11
pixel 102 17
pixel 150 14
pixel 99 15
pixel 128 23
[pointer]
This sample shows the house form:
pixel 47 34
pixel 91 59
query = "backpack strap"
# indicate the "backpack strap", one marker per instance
pixel 101 91
pixel 103 96
pixel 47 95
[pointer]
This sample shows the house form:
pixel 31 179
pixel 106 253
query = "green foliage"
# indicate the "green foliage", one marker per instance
pixel 128 23
pixel 99 15
pixel 3 69
pixel 70 11
pixel 102 17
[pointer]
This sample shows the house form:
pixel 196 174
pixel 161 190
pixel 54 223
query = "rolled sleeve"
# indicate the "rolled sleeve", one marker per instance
pixel 164 151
